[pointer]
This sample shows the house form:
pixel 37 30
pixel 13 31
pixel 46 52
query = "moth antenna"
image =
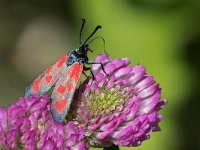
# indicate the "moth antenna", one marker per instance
pixel 83 24
pixel 104 43
pixel 95 30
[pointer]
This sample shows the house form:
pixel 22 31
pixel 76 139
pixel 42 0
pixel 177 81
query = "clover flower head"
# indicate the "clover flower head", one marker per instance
pixel 119 107
pixel 28 124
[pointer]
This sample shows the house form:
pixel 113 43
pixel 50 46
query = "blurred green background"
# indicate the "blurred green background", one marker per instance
pixel 163 35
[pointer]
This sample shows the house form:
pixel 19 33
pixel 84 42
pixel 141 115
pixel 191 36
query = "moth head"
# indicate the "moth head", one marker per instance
pixel 84 48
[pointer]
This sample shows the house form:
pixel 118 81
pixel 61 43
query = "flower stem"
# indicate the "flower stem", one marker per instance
pixel 113 147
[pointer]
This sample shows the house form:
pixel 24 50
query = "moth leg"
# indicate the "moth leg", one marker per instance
pixel 91 63
pixel 93 77
pixel 88 68
pixel 84 74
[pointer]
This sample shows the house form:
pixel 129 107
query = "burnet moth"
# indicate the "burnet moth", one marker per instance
pixel 63 76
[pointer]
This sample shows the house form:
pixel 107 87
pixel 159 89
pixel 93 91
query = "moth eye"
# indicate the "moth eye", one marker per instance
pixel 82 61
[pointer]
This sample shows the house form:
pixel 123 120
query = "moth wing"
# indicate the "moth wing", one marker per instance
pixel 63 92
pixel 47 78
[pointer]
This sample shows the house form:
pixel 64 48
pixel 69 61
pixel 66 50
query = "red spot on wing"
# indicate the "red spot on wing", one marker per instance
pixel 70 87
pixel 60 105
pixel 61 89
pixel 48 78
pixel 76 71
pixel 62 60
pixel 49 69
pixel 36 84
